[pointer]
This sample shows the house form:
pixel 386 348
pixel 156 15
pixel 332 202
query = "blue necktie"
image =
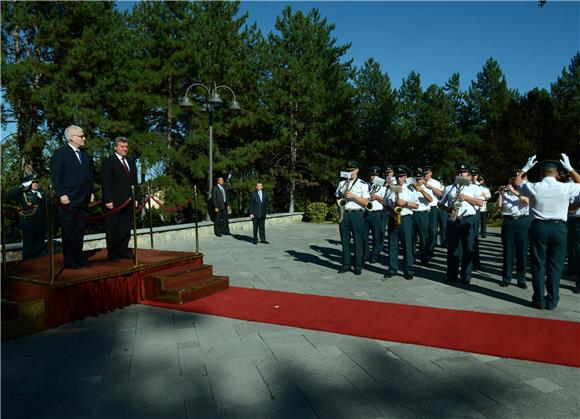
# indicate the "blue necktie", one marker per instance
pixel 79 156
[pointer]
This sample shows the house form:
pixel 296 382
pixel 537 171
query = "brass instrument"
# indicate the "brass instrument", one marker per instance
pixel 375 187
pixel 397 189
pixel 343 201
pixel 460 182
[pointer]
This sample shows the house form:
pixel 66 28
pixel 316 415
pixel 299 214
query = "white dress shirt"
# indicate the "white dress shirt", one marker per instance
pixel 467 209
pixel 357 187
pixel 406 195
pixel 549 198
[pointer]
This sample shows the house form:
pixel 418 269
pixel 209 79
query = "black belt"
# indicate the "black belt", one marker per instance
pixel 464 217
pixel 515 217
pixel 352 210
pixel 550 221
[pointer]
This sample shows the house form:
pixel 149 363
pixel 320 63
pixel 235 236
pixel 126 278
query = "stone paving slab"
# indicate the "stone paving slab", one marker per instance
pixel 146 362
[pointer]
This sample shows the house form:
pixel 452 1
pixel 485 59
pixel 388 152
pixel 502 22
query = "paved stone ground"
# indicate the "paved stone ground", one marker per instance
pixel 144 362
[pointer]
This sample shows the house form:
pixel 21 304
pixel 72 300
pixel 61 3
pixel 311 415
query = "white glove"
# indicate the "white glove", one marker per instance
pixel 565 162
pixel 529 164
pixel 27 184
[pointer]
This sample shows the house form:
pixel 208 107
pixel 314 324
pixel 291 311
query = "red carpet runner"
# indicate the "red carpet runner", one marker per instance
pixel 551 341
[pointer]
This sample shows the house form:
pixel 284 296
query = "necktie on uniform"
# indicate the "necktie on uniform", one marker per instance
pixel 125 166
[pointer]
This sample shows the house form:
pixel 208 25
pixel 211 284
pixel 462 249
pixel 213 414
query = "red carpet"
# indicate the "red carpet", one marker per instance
pixel 533 339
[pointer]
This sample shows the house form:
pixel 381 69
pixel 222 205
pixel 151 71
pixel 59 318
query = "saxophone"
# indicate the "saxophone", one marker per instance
pixel 343 201
pixel 375 187
pixel 461 183
pixel 397 189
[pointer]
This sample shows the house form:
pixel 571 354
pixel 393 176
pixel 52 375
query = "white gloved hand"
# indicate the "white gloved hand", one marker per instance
pixel 565 162
pixel 27 184
pixel 529 164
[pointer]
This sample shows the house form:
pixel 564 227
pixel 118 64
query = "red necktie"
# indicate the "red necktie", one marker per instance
pixel 125 166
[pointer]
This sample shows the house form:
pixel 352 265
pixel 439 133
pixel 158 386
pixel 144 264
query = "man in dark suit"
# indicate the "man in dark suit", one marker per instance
pixel 258 210
pixel 220 201
pixel 72 176
pixel 118 174
pixel 32 202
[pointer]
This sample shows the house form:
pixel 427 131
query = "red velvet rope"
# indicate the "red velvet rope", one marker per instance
pixel 96 217
pixel 189 200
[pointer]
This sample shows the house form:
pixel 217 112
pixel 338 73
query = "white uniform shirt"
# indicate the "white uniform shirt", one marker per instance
pixel 576 212
pixel 406 195
pixel 513 206
pixel 378 205
pixel 437 185
pixel 486 194
pixel 424 205
pixel 549 198
pixel 358 187
pixel 450 192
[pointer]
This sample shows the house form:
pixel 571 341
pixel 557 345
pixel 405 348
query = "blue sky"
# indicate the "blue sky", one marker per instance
pixel 436 39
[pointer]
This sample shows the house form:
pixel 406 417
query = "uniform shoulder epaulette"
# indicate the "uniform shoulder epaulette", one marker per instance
pixel 363 182
pixel 409 188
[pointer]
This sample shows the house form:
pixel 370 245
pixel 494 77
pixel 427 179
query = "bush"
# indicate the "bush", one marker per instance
pixel 316 212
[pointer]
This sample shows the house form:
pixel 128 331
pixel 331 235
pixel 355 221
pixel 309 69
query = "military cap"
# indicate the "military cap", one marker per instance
pixel 474 170
pixel 419 173
pixel 401 170
pixel 550 164
pixel 388 168
pixel 461 166
pixel 374 170
pixel 30 178
pixel 427 168
pixel 351 165
pixel 515 172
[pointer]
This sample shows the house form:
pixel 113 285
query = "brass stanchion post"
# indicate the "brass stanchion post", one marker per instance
pixel 150 214
pixel 195 212
pixel 50 243
pixel 3 238
pixel 136 257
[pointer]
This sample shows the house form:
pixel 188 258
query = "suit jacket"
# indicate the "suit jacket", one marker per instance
pixel 71 178
pixel 115 181
pixel 217 198
pixel 258 208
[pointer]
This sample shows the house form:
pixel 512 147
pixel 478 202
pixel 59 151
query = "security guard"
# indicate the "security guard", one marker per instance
pixel 461 201
pixel 549 211
pixel 32 215
pixel 374 218
pixel 402 203
pixel 515 227
pixel 421 217
pixel 353 195
pixel 434 189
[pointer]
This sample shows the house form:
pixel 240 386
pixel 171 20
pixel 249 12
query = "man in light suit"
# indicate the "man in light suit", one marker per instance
pixel 72 176
pixel 118 174
pixel 258 210
pixel 220 202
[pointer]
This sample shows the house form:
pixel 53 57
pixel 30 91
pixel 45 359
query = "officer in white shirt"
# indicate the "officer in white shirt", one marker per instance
pixel 549 201
pixel 461 202
pixel 355 192
pixel 486 194
pixel 374 225
pixel 474 172
pixel 389 180
pixel 435 189
pixel 421 218
pixel 515 228
pixel 402 203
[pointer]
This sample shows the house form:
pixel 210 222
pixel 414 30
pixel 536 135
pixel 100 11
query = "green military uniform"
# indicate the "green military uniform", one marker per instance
pixel 421 222
pixel 32 216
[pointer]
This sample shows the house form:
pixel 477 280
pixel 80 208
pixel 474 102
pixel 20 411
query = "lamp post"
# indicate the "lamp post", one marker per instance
pixel 210 100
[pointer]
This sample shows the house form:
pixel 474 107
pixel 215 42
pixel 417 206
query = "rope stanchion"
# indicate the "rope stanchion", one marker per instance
pixel 50 237
pixel 150 216
pixel 97 217
pixel 189 200
pixel 195 212
pixel 136 257
pixel 3 226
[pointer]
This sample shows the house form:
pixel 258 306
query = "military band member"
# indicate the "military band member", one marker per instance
pixel 32 202
pixel 461 202
pixel 474 173
pixel 432 186
pixel 549 211
pixel 403 202
pixel 355 192
pixel 515 228
pixel 389 180
pixel 374 218
pixel 483 212
pixel 421 217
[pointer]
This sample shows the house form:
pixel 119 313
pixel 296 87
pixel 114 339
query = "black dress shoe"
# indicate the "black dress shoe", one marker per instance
pixel 408 277
pixel 255 241
pixel 343 270
pixel 551 306
pixel 113 259
pixel 357 272
pixel 265 242
pixel 72 266
pixel 576 290
pixel 537 305
pixel 218 235
pixel 522 285
pixel 388 274
pixel 504 284
pixel 85 264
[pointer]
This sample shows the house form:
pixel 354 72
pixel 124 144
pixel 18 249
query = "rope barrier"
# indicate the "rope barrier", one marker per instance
pixel 189 201
pixel 96 217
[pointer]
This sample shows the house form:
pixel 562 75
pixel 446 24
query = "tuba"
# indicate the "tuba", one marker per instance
pixel 397 189
pixel 460 182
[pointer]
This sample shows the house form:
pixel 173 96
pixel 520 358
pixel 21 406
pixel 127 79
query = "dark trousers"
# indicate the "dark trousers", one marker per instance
pixel 460 246
pixel 73 233
pixel 404 233
pixel 118 231
pixel 514 240
pixel 432 230
pixel 483 221
pixel 442 219
pixel 259 226
pixel 384 221
pixel 352 223
pixel 373 224
pixel 476 224
pixel 221 223
pixel 32 243
pixel 420 234
pixel 548 251
pixel 574 252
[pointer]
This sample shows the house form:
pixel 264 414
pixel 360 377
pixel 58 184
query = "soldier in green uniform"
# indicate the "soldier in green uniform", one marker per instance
pixel 32 202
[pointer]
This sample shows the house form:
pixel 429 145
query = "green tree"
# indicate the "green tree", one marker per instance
pixel 409 108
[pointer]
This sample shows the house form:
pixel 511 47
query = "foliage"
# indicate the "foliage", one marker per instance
pixel 316 212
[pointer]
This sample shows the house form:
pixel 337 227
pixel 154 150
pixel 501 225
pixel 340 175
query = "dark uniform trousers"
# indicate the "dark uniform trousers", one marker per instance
pixel 118 227
pixel 442 220
pixel 460 244
pixel 373 224
pixel 73 222
pixel 420 234
pixel 514 240
pixel 352 222
pixel 483 222
pixel 384 220
pixel 432 233
pixel 574 249
pixel 404 233
pixel 476 225
pixel 548 251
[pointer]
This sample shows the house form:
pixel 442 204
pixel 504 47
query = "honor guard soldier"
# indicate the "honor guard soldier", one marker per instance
pixel 434 189
pixel 353 195
pixel 421 217
pixel 375 215
pixel 401 200
pixel 549 201
pixel 461 199
pixel 515 227
pixel 32 204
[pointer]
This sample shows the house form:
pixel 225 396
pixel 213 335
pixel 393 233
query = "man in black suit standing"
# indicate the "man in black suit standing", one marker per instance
pixel 258 210
pixel 72 176
pixel 220 202
pixel 118 174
